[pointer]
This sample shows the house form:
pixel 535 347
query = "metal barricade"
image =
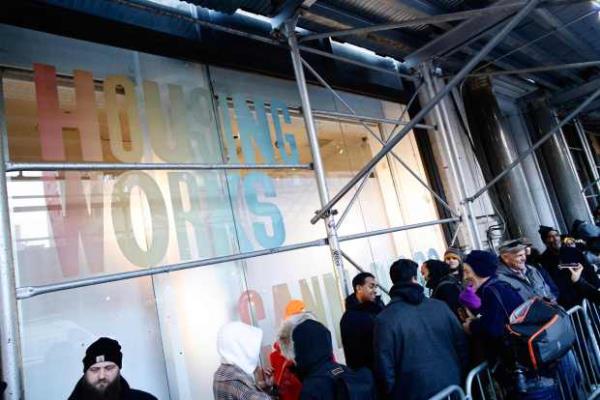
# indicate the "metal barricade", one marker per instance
pixel 578 373
pixel 453 392
pixel 592 311
pixel 480 384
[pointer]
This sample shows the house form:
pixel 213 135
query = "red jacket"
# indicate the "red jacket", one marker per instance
pixel 288 385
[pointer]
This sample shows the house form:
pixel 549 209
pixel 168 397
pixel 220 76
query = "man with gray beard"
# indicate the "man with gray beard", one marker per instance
pixel 102 378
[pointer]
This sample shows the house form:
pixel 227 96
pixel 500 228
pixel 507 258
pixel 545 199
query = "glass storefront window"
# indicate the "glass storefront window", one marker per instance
pixel 87 102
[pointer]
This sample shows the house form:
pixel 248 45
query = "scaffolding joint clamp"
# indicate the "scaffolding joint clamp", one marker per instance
pixel 325 214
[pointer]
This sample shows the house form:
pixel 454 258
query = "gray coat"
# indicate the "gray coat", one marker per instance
pixel 532 285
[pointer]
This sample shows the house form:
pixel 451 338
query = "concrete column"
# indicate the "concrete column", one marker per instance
pixel 558 164
pixel 495 151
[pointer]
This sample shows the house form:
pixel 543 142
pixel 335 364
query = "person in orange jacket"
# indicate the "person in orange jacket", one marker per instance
pixel 287 384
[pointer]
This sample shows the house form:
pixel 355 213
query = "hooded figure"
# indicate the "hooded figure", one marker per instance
pixel 420 347
pixel 238 345
pixel 308 343
pixel 443 284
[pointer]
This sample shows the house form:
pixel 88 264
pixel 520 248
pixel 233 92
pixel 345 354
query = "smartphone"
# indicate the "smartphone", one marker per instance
pixel 566 266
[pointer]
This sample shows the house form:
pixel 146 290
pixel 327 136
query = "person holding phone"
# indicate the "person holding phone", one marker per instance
pixel 574 269
pixel 559 261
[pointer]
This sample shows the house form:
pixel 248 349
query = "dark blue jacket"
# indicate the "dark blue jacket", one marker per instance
pixel 498 301
pixel 420 347
pixel 357 326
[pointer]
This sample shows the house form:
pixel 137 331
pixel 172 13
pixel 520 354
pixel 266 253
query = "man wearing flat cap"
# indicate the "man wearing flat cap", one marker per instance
pixel 528 281
pixel 102 378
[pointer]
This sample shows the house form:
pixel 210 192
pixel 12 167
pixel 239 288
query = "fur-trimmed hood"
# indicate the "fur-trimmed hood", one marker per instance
pixel 284 336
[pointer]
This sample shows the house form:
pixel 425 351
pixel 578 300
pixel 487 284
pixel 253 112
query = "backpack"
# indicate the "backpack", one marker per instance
pixel 540 332
pixel 353 384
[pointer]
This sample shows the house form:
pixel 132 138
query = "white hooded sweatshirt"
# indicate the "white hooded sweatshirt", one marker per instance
pixel 239 344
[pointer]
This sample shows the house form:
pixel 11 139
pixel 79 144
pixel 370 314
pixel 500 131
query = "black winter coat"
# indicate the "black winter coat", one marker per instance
pixel 420 347
pixel 447 290
pixel 356 327
pixel 569 295
pixel 314 362
pixel 127 393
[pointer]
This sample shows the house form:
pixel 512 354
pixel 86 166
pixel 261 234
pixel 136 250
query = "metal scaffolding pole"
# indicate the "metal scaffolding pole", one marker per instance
pixel 529 43
pixel 472 219
pixel 319 169
pixel 589 154
pixel 428 107
pixel 173 13
pixel 563 139
pixel 349 107
pixel 32 291
pixel 397 229
pixel 444 128
pixel 545 68
pixel 26 292
pixel 354 62
pixel 353 117
pixel 537 144
pixel 357 193
pixel 101 166
pixel 432 20
pixel 10 346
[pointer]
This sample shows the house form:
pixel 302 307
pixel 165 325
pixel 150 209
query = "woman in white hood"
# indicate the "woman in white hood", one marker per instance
pixel 238 345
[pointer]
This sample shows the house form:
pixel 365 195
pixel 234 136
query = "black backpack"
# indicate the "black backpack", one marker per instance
pixel 353 384
pixel 540 333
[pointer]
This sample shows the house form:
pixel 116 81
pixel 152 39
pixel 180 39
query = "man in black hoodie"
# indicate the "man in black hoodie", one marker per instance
pixel 314 365
pixel 420 347
pixel 358 321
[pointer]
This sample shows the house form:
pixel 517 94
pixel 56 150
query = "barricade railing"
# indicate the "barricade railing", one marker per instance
pixel 577 375
pixel 592 311
pixel 453 392
pixel 580 369
pixel 480 384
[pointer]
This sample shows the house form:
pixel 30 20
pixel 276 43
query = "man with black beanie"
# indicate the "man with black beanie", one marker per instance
pixel 102 378
pixel 553 260
pixel 420 347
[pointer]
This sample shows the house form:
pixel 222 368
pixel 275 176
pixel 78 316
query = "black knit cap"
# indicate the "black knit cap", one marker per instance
pixel 544 231
pixel 483 263
pixel 103 349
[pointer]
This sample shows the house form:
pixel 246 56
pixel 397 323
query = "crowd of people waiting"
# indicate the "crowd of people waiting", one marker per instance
pixel 416 345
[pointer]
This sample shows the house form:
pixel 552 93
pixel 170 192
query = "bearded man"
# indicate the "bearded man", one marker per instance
pixel 102 378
